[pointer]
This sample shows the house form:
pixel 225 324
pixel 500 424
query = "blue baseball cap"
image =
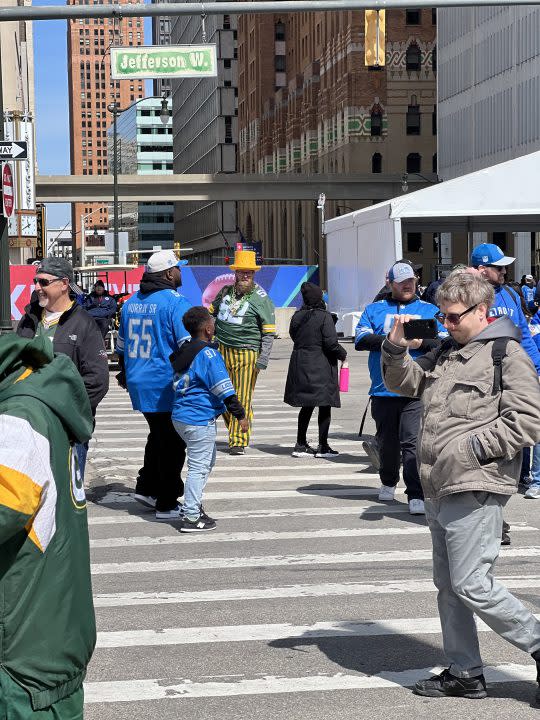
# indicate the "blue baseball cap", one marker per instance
pixel 401 271
pixel 489 254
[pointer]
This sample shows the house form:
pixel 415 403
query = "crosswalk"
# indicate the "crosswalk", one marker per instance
pixel 310 600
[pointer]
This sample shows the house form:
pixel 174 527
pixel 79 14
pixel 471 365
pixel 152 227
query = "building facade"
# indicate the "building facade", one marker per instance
pixel 161 35
pixel 308 103
pixel 205 137
pixel 144 148
pixel 91 90
pixel 489 100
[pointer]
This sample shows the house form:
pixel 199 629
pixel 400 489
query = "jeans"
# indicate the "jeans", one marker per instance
pixel 201 457
pixel 398 422
pixel 82 451
pixel 466 535
pixel 164 455
pixel 535 467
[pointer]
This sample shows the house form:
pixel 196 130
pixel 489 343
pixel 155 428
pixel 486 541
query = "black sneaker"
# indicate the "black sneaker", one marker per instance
pixel 325 451
pixel 448 685
pixel 303 451
pixel 204 516
pixel 237 450
pixel 199 525
pixel 505 538
pixel 536 656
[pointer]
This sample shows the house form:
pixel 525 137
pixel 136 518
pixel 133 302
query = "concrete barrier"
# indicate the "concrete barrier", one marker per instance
pixel 283 320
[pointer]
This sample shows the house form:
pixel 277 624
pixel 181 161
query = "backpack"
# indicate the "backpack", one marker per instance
pixel 498 353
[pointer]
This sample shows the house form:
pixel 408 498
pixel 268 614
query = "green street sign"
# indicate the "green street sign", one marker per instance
pixel 170 61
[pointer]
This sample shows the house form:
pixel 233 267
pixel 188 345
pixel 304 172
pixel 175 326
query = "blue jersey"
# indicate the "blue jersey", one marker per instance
pixel 377 319
pixel 200 391
pixel 151 330
pixel 529 295
pixel 507 303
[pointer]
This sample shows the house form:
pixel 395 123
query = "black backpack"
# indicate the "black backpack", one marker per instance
pixel 498 353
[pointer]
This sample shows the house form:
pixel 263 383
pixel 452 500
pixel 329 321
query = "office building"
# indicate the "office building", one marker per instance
pixel 91 90
pixel 205 137
pixel 144 148
pixel 308 103
pixel 161 35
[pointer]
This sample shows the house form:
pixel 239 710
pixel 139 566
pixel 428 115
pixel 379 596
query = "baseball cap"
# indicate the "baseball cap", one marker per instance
pixel 57 266
pixel 489 254
pixel 163 260
pixel 401 271
pixel 529 277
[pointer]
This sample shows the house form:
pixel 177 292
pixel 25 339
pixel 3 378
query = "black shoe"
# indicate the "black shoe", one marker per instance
pixel 447 685
pixel 505 538
pixel 303 451
pixel 325 451
pixel 536 656
pixel 199 525
pixel 237 450
pixel 204 516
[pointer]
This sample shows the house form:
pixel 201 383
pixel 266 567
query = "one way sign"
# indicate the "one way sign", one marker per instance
pixel 13 150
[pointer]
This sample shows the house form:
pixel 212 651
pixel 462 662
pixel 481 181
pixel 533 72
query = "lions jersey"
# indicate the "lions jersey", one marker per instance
pixel 151 329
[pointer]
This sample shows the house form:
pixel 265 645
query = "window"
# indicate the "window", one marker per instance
pixel 156 166
pixel 414 163
pixel 226 64
pixel 413 17
pixel 414 242
pixel 376 121
pixel 279 31
pixel 228 130
pixel 434 59
pixel 226 22
pixel 376 163
pixel 413 118
pixel 280 63
pixel 434 166
pixel 499 238
pixel 434 16
pixel 434 121
pixel 413 58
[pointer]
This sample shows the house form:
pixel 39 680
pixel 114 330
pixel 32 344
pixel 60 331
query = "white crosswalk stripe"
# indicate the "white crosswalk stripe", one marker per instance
pixel 276 591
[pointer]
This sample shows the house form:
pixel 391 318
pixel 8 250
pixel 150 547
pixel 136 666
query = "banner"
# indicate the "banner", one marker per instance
pixel 200 283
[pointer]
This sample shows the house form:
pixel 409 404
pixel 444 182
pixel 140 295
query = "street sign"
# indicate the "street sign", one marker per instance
pixel 167 61
pixel 13 150
pixel 7 190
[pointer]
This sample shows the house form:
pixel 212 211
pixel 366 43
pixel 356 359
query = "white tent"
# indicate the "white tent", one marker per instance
pixel 363 244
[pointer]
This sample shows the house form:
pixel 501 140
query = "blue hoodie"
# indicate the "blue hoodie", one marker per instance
pixel 508 304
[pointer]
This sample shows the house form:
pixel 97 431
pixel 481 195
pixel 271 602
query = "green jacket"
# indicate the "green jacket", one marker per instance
pixel 47 624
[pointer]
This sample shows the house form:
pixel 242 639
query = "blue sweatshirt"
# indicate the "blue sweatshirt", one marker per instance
pixel 508 304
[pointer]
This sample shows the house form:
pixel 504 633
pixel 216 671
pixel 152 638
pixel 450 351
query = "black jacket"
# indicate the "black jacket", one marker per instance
pixel 312 380
pixel 78 337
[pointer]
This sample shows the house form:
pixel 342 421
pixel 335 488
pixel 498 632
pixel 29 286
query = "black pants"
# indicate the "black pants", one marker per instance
pixel 398 422
pixel 304 416
pixel 164 457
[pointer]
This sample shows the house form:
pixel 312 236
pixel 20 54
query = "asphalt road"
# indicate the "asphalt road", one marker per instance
pixel 311 600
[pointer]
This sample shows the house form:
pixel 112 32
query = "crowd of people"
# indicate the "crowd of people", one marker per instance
pixel 455 409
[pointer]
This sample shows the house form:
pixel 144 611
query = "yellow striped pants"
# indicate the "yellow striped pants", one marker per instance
pixel 243 373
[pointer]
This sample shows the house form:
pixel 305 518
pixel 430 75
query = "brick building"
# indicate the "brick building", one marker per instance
pixel 90 91
pixel 307 103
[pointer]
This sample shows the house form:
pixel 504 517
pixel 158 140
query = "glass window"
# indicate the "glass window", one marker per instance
pixel 413 120
pixel 376 163
pixel 414 163
pixel 413 58
pixel 413 17
pixel 414 242
pixel 280 31
pixel 376 122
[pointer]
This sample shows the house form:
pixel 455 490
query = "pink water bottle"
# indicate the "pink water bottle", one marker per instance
pixel 344 378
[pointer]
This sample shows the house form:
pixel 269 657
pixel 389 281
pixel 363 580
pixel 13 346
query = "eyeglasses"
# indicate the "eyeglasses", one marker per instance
pixel 454 318
pixel 44 282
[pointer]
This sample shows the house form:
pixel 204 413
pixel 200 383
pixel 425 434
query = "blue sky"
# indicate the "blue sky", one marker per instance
pixel 52 109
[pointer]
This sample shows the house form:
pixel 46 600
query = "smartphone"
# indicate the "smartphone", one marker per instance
pixel 420 329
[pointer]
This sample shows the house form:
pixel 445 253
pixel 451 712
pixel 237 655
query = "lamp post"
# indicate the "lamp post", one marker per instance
pixel 115 109
pixel 405 180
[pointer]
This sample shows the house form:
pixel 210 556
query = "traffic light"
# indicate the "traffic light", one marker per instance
pixel 374 38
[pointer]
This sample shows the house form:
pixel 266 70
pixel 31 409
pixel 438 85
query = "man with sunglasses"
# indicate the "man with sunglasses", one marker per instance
pixel 469 454
pixel 397 419
pixel 70 329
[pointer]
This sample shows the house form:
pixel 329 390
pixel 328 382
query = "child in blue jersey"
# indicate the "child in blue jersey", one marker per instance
pixel 203 391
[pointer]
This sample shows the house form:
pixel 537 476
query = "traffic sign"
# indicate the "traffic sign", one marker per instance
pixel 7 190
pixel 13 150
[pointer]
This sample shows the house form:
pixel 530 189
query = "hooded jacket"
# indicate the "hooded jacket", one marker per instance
pixel 46 613
pixel 463 411
pixel 78 337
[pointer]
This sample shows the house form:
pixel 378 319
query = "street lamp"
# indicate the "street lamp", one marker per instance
pixel 405 180
pixel 115 109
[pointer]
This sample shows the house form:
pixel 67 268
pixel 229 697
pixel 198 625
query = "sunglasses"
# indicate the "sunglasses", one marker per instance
pixel 454 318
pixel 43 282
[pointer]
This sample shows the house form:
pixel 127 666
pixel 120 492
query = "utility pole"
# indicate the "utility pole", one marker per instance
pixel 116 243
pixel 5 285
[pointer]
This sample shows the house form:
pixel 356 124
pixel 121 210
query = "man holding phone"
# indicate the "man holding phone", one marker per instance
pixel 397 419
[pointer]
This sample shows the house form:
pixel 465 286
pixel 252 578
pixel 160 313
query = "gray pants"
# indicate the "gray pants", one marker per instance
pixel 466 535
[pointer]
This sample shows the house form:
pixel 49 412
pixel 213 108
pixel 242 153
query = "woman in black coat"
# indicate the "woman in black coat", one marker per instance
pixel 312 380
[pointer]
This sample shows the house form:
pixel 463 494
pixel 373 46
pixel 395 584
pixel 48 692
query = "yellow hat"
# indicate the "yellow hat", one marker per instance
pixel 245 260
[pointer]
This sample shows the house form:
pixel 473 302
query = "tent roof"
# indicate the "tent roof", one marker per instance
pixel 501 197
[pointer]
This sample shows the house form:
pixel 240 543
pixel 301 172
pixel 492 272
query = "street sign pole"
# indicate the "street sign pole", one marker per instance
pixel 5 286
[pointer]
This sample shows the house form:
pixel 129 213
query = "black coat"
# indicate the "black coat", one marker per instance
pixel 78 337
pixel 312 380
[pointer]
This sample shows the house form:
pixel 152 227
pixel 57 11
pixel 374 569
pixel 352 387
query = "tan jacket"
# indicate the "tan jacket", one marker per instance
pixel 470 439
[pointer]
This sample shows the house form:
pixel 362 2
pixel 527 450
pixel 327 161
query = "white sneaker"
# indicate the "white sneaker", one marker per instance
pixel 386 493
pixel 416 507
pixel 533 492
pixel 173 514
pixel 146 500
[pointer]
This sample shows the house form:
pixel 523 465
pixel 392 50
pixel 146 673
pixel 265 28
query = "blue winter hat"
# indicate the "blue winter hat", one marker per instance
pixel 489 254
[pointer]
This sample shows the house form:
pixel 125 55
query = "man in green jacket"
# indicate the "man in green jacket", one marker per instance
pixel 46 611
